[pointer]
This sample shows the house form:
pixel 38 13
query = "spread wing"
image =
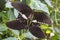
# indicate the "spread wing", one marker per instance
pixel 16 24
pixel 41 17
pixel 22 8
pixel 36 30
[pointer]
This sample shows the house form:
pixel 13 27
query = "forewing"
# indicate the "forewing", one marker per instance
pixel 16 24
pixel 22 8
pixel 41 17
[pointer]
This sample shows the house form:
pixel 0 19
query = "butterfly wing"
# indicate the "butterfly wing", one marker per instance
pixel 41 17
pixel 21 19
pixel 16 24
pixel 22 8
pixel 36 31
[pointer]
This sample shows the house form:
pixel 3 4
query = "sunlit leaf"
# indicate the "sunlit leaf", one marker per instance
pixel 49 3
pixel 12 0
pixel 48 31
pixel 37 5
pixel 16 13
pixel 8 4
pixel 43 26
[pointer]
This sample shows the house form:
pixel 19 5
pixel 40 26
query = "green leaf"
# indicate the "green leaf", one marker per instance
pixel 16 13
pixel 27 35
pixel 11 15
pixel 4 18
pixel 57 29
pixel 10 38
pixel 55 37
pixel 26 1
pixel 49 3
pixel 16 32
pixel 3 28
pixel 48 31
pixel 44 26
pixel 38 5
pixel 8 4
pixel 1 14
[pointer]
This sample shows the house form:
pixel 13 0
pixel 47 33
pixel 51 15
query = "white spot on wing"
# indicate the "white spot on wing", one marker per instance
pixel 35 21
pixel 24 16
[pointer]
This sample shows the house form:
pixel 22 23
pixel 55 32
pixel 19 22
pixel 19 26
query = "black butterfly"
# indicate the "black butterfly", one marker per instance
pixel 23 23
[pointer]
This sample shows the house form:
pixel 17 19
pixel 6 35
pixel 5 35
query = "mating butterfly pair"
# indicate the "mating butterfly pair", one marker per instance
pixel 28 23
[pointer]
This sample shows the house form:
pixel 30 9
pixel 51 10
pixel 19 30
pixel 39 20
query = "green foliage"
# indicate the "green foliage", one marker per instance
pixel 2 28
pixel 11 38
pixel 55 37
pixel 2 5
pixel 10 14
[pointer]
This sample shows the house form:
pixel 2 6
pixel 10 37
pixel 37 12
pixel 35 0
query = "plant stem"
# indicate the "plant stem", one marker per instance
pixel 56 13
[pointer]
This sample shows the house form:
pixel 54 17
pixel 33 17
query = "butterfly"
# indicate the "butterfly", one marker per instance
pixel 32 21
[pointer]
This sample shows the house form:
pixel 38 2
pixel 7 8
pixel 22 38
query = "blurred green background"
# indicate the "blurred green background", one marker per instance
pixel 7 13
